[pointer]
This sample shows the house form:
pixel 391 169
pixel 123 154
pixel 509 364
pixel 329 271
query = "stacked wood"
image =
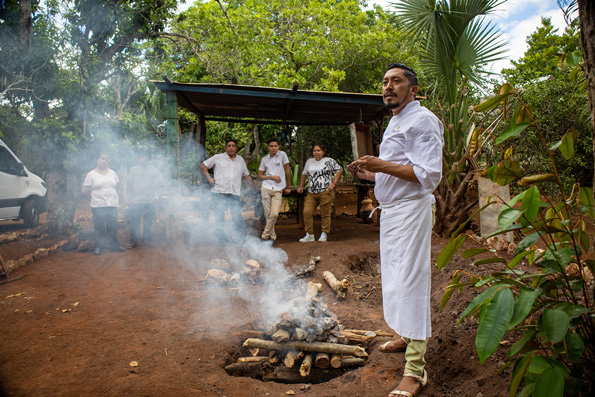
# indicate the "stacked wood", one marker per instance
pixel 221 273
pixel 340 287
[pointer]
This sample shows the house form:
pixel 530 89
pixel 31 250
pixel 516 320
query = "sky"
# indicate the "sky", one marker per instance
pixel 517 19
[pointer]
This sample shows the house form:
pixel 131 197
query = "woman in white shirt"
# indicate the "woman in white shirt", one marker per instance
pixel 101 185
pixel 323 174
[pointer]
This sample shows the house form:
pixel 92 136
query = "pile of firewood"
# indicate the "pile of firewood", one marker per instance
pixel 222 273
pixel 305 344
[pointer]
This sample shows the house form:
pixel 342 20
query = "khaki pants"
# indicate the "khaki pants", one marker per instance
pixel 271 204
pixel 414 356
pixel 325 200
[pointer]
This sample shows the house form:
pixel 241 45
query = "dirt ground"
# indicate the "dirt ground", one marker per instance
pixel 73 323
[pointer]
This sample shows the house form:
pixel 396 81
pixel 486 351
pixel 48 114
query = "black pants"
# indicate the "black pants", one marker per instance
pixel 145 212
pixel 105 222
pixel 221 203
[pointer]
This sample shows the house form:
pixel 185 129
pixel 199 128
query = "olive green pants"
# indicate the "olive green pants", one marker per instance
pixel 414 356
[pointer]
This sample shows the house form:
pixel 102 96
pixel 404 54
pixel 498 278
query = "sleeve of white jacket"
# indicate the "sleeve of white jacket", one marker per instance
pixel 424 150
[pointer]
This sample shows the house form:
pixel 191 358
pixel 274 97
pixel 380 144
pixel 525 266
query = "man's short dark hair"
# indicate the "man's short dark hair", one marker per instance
pixel 231 140
pixel 409 72
pixel 273 140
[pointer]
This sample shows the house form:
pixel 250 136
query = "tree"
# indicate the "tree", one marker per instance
pixel 455 46
pixel 586 16
pixel 549 84
pixel 321 45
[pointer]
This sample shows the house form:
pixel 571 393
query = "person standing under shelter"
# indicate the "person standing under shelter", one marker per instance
pixel 323 174
pixel 407 171
pixel 226 186
pixel 275 175
pixel 144 183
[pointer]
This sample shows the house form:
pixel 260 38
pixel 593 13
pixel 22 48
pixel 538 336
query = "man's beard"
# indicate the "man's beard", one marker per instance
pixel 391 106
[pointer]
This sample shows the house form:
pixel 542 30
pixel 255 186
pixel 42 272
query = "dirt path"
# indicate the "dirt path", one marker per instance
pixel 74 323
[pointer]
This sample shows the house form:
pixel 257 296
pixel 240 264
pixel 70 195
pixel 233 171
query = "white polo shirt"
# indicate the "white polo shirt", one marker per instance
pixel 227 173
pixel 274 166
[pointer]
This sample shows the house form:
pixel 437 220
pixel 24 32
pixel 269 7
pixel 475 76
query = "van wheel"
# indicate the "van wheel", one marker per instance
pixel 30 213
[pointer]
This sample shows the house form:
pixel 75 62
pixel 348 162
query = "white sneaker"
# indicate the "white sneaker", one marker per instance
pixel 307 239
pixel 323 238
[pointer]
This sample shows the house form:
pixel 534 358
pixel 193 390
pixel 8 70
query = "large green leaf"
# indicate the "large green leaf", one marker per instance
pixel 511 132
pixel 494 259
pixel 494 324
pixel 555 324
pixel 550 383
pixel 505 172
pixel 586 195
pixel 515 261
pixel 528 336
pixel 449 250
pixel 479 300
pixel 531 204
pixel 508 216
pixel 518 374
pixel 567 144
pixel 527 242
pixel 575 347
pixel 491 103
pixel 522 305
pixel 473 251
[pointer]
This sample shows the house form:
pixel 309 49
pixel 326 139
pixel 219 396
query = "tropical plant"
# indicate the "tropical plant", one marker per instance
pixel 543 296
pixel 456 45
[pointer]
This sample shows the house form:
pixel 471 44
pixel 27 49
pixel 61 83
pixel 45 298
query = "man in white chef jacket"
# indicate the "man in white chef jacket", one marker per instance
pixel 406 172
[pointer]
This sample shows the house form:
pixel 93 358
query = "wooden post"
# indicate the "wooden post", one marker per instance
pixel 173 139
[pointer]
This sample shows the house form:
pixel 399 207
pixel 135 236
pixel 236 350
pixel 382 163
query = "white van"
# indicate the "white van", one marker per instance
pixel 23 194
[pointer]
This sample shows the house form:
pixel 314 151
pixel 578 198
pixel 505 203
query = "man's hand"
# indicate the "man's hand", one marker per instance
pixel 286 191
pixel 276 178
pixel 359 168
pixel 211 180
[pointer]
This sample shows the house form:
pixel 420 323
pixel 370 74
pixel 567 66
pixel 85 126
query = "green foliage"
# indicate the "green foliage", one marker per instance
pixel 544 291
pixel 455 45
pixel 321 45
pixel 549 80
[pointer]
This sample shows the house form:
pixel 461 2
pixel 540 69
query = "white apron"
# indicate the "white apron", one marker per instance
pixel 405 257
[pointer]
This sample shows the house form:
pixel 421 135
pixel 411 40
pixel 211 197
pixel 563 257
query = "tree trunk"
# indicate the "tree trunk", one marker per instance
pixel 61 204
pixel 586 14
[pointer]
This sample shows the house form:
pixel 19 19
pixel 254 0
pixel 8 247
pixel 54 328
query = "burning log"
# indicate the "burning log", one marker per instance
pixel 253 359
pixel 312 292
pixel 252 270
pixel 273 357
pixel 281 336
pixel 290 359
pixel 319 347
pixel 356 338
pixel 322 360
pixel 248 333
pixel 217 276
pixel 306 365
pixel 340 287
pixel 307 271
pixel 335 360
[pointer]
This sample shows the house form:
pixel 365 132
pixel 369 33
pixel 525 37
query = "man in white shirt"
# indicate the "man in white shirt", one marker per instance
pixel 226 186
pixel 407 171
pixel 144 182
pixel 275 175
